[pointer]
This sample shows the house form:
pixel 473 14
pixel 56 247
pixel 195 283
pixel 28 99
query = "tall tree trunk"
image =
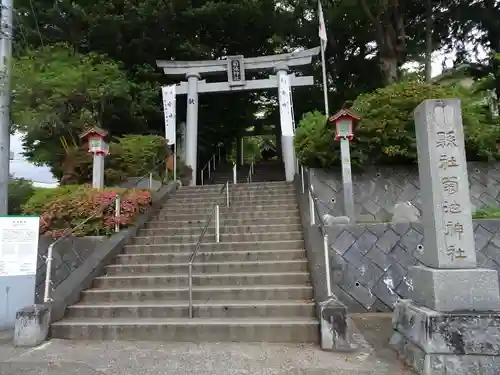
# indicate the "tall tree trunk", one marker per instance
pixel 428 41
pixel 389 69
pixel 387 20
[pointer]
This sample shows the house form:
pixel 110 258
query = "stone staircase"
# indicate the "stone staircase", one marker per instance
pixel 264 171
pixel 252 286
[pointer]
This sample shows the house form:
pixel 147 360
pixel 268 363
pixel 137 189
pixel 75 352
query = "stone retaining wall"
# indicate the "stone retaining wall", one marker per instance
pixel 378 189
pixel 370 262
pixel 68 255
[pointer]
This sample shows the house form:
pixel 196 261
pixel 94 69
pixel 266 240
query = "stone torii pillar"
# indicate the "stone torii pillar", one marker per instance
pixel 234 68
pixel 286 120
pixel 191 138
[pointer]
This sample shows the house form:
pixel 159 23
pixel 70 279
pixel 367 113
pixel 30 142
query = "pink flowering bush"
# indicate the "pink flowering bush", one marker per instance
pixel 96 208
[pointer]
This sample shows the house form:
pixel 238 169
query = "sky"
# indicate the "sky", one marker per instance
pixel 21 168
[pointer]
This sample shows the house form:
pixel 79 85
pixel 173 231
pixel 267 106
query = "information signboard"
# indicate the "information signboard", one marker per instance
pixel 18 245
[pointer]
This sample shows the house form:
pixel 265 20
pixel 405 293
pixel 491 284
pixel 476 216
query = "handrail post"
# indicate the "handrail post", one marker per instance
pixel 227 193
pixel 190 276
pixel 202 176
pixel 217 224
pixel 117 213
pixel 150 181
pixel 311 209
pixel 209 167
pixel 302 178
pixel 48 274
pixel 175 164
pixel 234 174
pixel 213 156
pixel 327 265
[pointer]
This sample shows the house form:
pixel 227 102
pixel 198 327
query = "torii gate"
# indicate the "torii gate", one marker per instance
pixel 235 68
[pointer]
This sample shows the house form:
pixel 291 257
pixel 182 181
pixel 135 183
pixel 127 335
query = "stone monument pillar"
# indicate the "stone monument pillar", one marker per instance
pixel 286 120
pixel 452 325
pixel 192 123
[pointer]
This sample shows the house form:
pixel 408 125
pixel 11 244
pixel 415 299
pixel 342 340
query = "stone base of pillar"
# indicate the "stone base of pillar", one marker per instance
pixel 336 334
pixel 455 289
pixel 288 157
pixel 454 343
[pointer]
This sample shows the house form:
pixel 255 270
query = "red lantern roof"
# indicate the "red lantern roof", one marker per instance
pixel 344 113
pixel 94 130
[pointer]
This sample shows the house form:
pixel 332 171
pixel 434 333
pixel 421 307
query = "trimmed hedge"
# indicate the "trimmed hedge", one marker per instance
pixel 68 206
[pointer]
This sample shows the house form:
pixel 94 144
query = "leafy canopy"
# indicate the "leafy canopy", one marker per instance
pixel 386 132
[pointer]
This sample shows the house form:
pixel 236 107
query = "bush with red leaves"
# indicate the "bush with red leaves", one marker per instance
pixel 90 212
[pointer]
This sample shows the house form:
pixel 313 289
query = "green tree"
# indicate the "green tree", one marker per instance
pixel 57 92
pixel 20 191
pixel 386 132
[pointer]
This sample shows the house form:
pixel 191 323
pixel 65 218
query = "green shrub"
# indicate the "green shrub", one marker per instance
pixel 71 206
pixel 386 132
pixel 20 191
pixel 35 205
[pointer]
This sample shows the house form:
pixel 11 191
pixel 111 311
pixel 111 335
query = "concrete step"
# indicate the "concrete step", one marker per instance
pixel 224 229
pixel 290 330
pixel 234 215
pixel 201 309
pixel 234 204
pixel 224 222
pixel 211 267
pixel 221 256
pixel 178 210
pixel 262 186
pixel 213 293
pixel 244 237
pixel 216 246
pixel 212 279
pixel 258 197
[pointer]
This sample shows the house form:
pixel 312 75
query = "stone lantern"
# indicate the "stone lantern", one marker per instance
pixel 99 147
pixel 345 122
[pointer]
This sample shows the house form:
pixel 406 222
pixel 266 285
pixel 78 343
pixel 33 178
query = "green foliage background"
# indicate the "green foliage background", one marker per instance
pixel 386 132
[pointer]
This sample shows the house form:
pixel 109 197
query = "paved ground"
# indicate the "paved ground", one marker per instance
pixel 59 357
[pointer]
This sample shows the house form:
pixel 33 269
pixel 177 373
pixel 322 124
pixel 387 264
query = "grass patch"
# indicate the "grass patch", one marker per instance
pixel 487 213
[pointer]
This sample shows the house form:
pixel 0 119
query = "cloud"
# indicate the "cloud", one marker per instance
pixel 21 168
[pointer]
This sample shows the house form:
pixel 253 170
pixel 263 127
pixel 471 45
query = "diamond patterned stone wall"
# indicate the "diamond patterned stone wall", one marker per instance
pixel 370 262
pixel 68 255
pixel 377 190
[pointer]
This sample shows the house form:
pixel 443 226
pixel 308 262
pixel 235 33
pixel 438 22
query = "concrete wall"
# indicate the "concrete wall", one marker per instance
pixel 19 291
pixel 378 189
pixel 370 262
pixel 68 255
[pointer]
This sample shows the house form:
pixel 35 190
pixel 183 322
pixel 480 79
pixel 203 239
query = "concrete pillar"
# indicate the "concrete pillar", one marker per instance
pixel 181 147
pixel 239 151
pixel 286 120
pixel 192 124
pixel 345 154
pixel 98 172
pixel 242 148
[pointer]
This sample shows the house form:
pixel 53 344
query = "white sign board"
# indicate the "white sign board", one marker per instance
pixel 18 245
pixel 168 95
pixel 286 117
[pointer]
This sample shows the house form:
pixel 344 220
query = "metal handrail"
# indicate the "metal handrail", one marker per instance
pixel 117 201
pixel 250 171
pixel 214 212
pixel 313 211
pixel 209 164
